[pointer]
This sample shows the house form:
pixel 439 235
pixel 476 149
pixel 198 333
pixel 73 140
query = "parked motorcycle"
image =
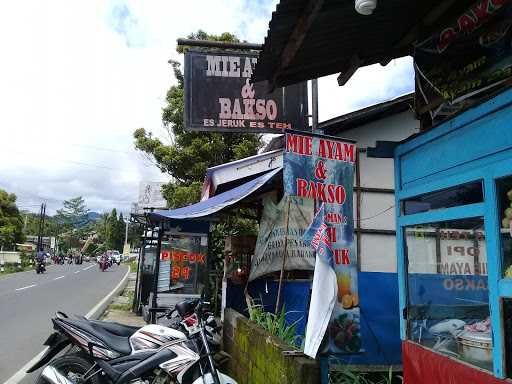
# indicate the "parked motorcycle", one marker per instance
pixel 183 318
pixel 111 352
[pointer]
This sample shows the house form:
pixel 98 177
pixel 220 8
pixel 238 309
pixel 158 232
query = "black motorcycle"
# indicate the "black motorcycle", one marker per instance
pixel 40 266
pixel 105 352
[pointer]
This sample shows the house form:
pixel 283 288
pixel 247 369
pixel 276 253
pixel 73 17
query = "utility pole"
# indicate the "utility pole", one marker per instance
pixel 41 227
pixel 126 234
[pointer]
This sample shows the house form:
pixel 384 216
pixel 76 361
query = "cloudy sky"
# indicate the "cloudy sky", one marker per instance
pixel 78 77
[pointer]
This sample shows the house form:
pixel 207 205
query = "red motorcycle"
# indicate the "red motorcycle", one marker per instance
pixel 103 264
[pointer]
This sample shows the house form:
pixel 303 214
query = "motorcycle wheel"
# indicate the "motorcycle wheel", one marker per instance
pixel 73 367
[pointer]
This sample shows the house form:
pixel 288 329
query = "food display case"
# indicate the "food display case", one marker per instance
pixel 454 243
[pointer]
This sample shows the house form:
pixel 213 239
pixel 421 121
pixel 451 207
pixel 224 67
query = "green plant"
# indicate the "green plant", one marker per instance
pixel 347 376
pixel 124 307
pixel 275 324
pixel 133 266
pixel 27 259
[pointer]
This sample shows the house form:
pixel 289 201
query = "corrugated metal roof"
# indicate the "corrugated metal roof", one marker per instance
pixel 312 38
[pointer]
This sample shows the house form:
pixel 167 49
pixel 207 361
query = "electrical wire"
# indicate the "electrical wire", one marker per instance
pixel 75 162
pixel 378 214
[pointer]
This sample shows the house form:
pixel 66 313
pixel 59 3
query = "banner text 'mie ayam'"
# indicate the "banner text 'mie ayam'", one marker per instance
pixel 332 150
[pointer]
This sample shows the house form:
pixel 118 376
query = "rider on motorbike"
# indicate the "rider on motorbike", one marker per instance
pixel 40 261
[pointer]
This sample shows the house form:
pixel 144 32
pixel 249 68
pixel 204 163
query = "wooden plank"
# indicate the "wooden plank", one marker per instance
pixel 297 36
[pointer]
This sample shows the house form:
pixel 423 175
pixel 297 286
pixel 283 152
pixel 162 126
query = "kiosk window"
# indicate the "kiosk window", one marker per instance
pixel 448 308
pixel 464 194
pixel 504 190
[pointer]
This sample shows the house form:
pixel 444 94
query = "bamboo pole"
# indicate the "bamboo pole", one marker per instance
pixel 284 255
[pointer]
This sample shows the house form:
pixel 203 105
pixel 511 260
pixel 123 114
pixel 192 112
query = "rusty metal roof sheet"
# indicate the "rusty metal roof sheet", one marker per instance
pixel 313 38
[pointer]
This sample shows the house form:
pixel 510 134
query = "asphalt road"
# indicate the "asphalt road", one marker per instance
pixel 28 301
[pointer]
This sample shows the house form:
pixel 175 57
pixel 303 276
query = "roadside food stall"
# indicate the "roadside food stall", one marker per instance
pixel 182 262
pixel 453 193
pixel 373 295
pixel 455 247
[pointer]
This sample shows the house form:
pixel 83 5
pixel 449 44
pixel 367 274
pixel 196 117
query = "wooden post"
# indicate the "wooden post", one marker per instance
pixel 284 255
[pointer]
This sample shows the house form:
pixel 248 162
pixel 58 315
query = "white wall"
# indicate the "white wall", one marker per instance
pixel 10 257
pixel 378 251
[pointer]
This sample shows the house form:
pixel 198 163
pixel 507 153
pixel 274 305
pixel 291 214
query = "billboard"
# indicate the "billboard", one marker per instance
pixel 220 97
pixel 150 195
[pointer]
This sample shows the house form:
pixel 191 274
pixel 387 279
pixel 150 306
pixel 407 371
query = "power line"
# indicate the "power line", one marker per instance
pixel 102 148
pixel 378 214
pixel 77 162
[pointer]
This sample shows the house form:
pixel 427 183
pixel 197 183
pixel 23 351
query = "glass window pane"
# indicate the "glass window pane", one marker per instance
pixel 504 190
pixel 448 307
pixel 187 256
pixel 470 193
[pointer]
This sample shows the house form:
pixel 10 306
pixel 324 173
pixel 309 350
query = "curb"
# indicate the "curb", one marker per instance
pixel 100 308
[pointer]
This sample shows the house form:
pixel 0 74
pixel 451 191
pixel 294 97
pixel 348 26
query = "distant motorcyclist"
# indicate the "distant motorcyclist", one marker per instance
pixel 40 256
pixel 103 264
pixel 40 261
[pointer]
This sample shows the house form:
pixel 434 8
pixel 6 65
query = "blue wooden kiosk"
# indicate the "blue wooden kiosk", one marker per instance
pixel 454 244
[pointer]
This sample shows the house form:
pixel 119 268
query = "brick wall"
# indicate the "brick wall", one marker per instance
pixel 257 357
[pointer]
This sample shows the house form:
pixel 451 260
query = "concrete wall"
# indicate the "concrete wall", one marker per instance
pixel 257 357
pixel 10 257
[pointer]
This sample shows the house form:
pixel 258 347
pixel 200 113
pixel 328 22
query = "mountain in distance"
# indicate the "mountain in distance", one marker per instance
pixel 93 216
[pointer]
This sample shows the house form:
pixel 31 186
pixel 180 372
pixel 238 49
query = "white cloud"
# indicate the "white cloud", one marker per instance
pixel 78 77
pixel 369 85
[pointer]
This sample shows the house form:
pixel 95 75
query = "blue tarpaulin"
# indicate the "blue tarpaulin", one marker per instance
pixel 380 322
pixel 216 203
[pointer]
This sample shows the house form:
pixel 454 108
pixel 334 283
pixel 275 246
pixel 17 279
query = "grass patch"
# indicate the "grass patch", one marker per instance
pixel 275 324
pixel 124 307
pixel 133 266
pixel 120 307
pixel 347 376
pixel 13 269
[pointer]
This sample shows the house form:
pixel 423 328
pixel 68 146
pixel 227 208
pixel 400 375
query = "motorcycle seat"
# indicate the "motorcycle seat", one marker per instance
pixel 115 328
pixel 117 343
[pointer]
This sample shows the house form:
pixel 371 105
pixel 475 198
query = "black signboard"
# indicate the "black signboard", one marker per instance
pixel 219 96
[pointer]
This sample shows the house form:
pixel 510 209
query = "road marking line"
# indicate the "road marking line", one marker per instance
pixel 77 271
pixel 28 286
pixel 18 376
pixel 60 277
pixel 90 266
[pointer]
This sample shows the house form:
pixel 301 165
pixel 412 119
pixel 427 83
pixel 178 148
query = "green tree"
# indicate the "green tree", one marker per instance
pixel 73 221
pixel 121 231
pixel 74 212
pixel 191 153
pixel 31 225
pixel 11 222
pixel 111 230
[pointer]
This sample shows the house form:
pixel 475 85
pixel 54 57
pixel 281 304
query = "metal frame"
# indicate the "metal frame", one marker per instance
pixel 487 167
